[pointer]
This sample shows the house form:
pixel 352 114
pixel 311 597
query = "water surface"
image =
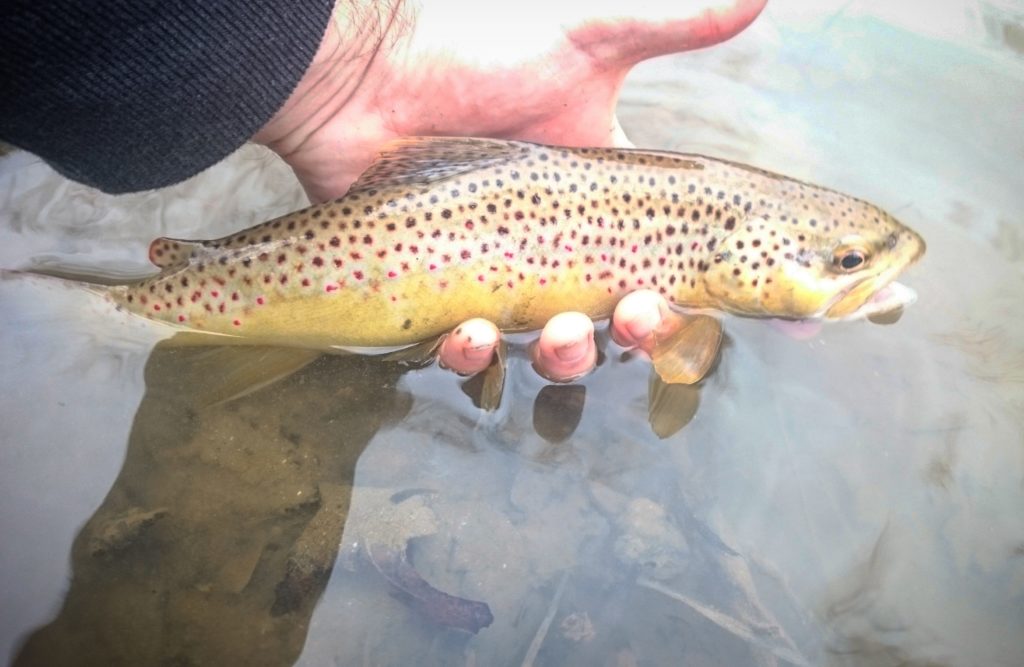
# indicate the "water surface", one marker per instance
pixel 853 498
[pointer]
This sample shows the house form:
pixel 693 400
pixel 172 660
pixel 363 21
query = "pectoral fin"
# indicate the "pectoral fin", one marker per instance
pixel 670 407
pixel 685 348
pixel 418 355
pixel 487 386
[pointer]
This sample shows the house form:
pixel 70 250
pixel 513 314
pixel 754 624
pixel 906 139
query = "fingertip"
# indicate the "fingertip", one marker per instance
pixel 566 348
pixel 470 347
pixel 636 316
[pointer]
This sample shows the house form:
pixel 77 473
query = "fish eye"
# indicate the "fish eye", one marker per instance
pixel 850 259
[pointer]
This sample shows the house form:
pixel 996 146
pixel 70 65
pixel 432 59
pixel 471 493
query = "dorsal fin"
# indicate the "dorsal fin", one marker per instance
pixel 426 160
pixel 168 253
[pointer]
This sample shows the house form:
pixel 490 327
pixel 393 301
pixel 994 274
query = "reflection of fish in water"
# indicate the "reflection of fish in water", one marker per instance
pixel 442 230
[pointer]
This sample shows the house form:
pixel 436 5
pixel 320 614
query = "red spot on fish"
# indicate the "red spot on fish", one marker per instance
pixel 260 301
pixel 392 274
pixel 305 282
pixel 543 281
pixel 237 323
pixel 215 294
pixel 156 306
pixel 330 288
pixel 181 318
pixel 358 275
pixel 480 277
pixel 634 248
pixel 433 267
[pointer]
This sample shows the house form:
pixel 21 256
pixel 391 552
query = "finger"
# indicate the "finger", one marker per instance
pixel 626 42
pixel 636 316
pixel 566 349
pixel 470 347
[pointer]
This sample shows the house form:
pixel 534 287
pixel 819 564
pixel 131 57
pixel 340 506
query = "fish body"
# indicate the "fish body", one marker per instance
pixel 441 230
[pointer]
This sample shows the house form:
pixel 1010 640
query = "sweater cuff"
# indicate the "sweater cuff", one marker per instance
pixel 127 95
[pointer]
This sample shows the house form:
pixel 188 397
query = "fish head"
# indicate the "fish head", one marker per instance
pixel 833 267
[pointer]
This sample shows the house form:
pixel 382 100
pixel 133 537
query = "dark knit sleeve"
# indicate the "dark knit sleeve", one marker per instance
pixel 128 95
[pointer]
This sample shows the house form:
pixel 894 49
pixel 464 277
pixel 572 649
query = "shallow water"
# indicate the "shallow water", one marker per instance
pixel 854 498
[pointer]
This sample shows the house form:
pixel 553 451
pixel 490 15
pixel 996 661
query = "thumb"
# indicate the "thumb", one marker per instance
pixel 670 27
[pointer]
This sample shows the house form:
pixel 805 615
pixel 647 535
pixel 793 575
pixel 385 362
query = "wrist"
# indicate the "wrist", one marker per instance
pixel 333 109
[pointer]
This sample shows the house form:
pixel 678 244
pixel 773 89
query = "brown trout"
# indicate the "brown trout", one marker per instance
pixel 440 230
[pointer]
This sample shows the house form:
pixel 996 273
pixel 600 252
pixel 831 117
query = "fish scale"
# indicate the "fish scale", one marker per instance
pixel 441 230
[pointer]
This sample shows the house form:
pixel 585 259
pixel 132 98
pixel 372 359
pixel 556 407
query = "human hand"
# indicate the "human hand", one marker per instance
pixel 548 74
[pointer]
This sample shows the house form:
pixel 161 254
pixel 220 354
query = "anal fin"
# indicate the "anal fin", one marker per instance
pixel 232 371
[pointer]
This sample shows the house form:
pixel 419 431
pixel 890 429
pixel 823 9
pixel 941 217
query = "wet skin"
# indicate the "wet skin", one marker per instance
pixel 385 74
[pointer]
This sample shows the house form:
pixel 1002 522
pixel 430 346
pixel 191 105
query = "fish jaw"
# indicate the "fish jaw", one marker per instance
pixel 876 295
pixel 882 299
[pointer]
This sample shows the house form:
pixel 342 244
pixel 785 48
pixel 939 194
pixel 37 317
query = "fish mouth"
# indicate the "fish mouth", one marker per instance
pixel 878 294
pixel 868 298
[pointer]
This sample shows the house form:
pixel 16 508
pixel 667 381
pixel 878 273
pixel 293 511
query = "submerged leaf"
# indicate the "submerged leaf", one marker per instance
pixel 440 607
